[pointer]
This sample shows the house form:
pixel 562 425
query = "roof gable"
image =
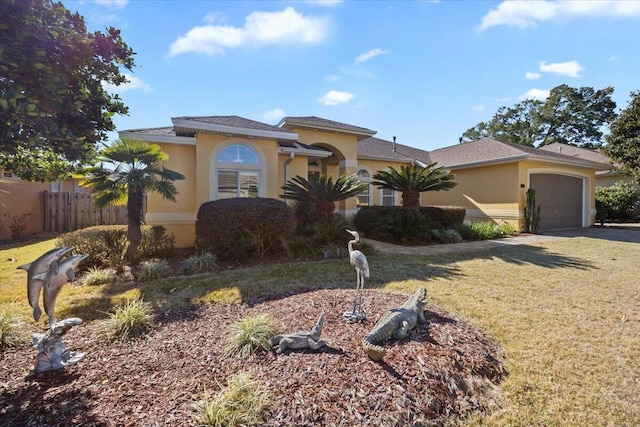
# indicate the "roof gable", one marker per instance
pixel 231 125
pixel 318 123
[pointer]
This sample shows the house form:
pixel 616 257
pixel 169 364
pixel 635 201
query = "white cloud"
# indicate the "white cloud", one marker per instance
pixel 529 75
pixel 479 108
pixel 274 114
pixel 538 94
pixel 527 13
pixel 613 58
pixel 213 17
pixel 260 28
pixel 134 83
pixel 369 55
pixel 569 68
pixel 335 97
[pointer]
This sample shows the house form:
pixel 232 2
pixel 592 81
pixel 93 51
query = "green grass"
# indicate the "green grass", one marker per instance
pixel 240 403
pixel 565 311
pixel 13 329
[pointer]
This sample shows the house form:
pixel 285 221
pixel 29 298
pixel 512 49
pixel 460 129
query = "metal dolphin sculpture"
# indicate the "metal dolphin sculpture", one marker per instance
pixel 47 261
pixel 52 282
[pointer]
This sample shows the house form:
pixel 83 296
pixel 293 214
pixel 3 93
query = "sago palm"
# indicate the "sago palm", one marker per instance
pixel 322 192
pixel 411 180
pixel 128 170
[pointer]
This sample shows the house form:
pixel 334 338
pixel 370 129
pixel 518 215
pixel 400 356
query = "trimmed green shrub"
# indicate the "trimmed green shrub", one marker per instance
pixel 616 203
pixel 99 276
pixel 404 225
pixel 447 235
pixel 107 244
pixel 446 216
pixel 244 227
pixel 484 230
pixel 332 231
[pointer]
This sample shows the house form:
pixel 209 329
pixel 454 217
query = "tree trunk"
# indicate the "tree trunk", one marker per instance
pixel 411 199
pixel 134 224
pixel 324 210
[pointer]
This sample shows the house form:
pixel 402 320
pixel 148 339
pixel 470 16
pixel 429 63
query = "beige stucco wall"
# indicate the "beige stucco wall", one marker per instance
pixel 19 198
pixel 488 192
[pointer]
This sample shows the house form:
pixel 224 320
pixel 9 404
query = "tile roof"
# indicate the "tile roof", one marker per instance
pixel 489 150
pixel 573 151
pixel 318 122
pixel 234 121
pixel 164 131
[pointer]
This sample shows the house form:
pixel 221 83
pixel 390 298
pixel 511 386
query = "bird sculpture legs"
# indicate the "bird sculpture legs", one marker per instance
pixel 355 314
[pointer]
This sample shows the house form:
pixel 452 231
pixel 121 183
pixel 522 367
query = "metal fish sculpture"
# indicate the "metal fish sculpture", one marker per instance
pixel 47 261
pixel 52 282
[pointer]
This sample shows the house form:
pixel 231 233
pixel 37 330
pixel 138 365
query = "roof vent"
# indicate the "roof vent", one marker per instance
pixel 560 150
pixel 394 144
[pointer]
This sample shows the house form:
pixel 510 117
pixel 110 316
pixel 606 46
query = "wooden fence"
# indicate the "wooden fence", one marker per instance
pixel 63 212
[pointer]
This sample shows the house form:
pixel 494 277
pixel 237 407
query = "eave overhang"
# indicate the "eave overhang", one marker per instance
pixel 194 126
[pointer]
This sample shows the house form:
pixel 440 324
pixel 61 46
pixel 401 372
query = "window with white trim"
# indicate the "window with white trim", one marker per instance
pixel 364 198
pixel 238 171
pixel 388 197
pixel 56 187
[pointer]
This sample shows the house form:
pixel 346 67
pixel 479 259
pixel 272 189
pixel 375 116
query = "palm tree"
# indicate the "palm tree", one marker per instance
pixel 322 192
pixel 135 169
pixel 413 179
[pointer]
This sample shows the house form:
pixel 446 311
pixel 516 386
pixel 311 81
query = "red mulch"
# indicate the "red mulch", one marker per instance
pixel 444 370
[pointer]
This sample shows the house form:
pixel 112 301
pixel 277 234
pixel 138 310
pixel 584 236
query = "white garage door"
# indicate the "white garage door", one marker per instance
pixel 560 200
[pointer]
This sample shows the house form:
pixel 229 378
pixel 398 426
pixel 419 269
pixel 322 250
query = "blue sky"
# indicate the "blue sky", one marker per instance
pixel 423 71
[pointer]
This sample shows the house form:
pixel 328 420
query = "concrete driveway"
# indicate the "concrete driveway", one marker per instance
pixel 615 232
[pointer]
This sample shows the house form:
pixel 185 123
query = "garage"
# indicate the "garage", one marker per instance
pixel 560 198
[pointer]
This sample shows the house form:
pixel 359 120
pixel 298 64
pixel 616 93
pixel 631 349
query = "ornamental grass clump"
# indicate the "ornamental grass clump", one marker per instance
pixel 13 329
pixel 250 335
pixel 129 319
pixel 99 276
pixel 240 403
pixel 152 270
pixel 203 262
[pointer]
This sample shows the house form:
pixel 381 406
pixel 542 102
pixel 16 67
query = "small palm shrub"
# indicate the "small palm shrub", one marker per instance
pixel 240 403
pixel 13 329
pixel 153 270
pixel 203 262
pixel 99 276
pixel 129 319
pixel 250 335
pixel 331 230
pixel 404 225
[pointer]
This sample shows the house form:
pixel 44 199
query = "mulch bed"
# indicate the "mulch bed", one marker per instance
pixel 444 370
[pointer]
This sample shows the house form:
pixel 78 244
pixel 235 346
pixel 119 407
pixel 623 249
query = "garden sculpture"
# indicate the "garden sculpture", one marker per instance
pixel 359 261
pixel 49 273
pixel 298 340
pixel 53 354
pixel 46 262
pixel 395 324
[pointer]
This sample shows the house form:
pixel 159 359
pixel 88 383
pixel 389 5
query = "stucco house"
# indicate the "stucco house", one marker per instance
pixel 230 156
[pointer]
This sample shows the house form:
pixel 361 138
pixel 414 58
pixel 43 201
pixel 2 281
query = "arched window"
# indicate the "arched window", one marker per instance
pixel 364 198
pixel 238 172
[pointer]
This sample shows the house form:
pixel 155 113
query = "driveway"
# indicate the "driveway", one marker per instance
pixel 615 232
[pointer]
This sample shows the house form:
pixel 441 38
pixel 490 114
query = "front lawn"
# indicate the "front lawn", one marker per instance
pixel 565 312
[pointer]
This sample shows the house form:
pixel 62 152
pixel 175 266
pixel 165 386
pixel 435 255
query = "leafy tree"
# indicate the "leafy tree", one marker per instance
pixel 131 168
pixel 411 180
pixel 617 202
pixel 54 109
pixel 322 192
pixel 623 141
pixel 569 116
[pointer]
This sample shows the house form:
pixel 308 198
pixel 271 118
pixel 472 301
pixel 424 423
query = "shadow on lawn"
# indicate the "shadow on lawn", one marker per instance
pixel 281 280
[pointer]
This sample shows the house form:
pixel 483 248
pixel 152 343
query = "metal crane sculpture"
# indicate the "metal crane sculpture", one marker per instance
pixel 359 261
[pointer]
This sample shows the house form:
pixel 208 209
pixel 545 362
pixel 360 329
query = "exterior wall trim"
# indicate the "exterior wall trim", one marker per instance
pixel 210 127
pixel 179 140
pixel 154 218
